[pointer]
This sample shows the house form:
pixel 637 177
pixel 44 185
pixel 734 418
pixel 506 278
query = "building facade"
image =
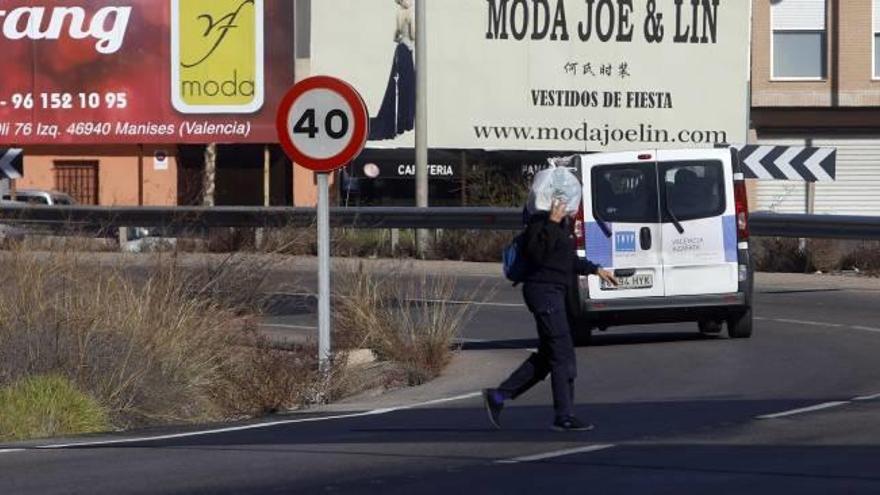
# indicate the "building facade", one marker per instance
pixel 816 82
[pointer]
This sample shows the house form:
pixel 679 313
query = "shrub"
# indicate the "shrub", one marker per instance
pixel 47 406
pixel 472 245
pixel 779 254
pixel 406 320
pixel 168 345
pixel 488 185
pixel 865 257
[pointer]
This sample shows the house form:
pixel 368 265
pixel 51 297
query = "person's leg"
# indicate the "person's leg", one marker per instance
pixel 531 372
pixel 563 365
pixel 537 366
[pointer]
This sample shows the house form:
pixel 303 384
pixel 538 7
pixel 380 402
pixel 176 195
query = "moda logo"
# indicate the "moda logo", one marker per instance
pixel 108 25
pixel 217 56
pixel 625 242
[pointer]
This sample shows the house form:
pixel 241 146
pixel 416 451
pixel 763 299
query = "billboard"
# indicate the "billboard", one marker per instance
pixel 576 75
pixel 143 71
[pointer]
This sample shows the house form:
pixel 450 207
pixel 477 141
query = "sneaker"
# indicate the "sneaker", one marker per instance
pixel 493 407
pixel 571 424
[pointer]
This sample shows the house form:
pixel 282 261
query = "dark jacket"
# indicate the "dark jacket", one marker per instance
pixel 550 250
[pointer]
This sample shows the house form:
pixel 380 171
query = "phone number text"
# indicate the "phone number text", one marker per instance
pixel 67 101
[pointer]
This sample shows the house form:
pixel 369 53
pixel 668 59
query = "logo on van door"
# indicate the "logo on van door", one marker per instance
pixel 625 242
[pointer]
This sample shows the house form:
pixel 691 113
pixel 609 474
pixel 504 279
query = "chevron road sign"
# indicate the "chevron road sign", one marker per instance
pixel 11 163
pixel 788 163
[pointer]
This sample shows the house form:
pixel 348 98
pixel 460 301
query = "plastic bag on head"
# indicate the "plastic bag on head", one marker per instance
pixel 555 183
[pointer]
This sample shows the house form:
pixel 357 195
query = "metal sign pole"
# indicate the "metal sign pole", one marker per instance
pixel 323 270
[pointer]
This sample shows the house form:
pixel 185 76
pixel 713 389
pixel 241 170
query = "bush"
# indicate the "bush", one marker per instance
pixel 168 345
pixel 865 257
pixel 48 406
pixel 779 254
pixel 408 321
pixel 472 245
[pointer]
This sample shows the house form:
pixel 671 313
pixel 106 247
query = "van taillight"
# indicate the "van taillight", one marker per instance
pixel 578 227
pixel 741 198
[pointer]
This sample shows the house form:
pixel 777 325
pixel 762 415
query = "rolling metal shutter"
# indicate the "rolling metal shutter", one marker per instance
pixel 798 15
pixel 855 192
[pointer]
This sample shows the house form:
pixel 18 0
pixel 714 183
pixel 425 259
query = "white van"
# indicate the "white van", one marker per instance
pixel 673 227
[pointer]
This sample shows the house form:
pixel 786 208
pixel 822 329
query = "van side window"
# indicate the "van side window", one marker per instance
pixel 694 190
pixel 35 200
pixel 625 193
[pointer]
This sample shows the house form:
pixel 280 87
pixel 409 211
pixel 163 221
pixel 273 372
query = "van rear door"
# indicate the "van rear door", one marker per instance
pixel 622 223
pixel 699 222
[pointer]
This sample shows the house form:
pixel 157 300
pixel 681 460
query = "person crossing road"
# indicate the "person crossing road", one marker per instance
pixel 550 293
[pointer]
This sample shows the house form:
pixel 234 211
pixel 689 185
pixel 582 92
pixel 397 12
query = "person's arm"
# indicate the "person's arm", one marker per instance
pixel 585 266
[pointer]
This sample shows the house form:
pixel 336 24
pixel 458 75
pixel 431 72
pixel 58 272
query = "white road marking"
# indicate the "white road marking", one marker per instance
pixel 809 323
pixel 866 329
pixel 820 324
pixel 431 301
pixel 867 397
pixel 555 453
pixel 292 327
pixel 471 303
pixel 217 431
pixel 9 451
pixel 817 407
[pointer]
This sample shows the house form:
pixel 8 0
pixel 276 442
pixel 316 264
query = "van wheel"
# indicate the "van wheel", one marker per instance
pixel 709 327
pixel 740 326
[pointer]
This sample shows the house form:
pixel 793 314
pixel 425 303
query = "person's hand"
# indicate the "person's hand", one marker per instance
pixel 557 211
pixel 607 276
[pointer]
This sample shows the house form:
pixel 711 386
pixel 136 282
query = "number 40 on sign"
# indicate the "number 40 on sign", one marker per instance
pixel 322 123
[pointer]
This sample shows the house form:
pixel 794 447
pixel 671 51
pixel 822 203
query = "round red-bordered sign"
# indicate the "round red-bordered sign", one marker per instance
pixel 322 123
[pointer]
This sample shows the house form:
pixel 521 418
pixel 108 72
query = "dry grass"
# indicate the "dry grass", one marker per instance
pixel 406 320
pixel 826 255
pixel 865 257
pixel 158 346
pixel 779 254
pixel 472 245
pixel 362 243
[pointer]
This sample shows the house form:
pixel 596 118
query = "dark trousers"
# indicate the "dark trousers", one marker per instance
pixel 555 354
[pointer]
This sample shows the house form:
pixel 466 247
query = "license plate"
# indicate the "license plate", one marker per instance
pixel 638 281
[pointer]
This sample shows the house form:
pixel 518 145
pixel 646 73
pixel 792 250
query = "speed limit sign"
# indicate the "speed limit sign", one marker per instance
pixel 322 123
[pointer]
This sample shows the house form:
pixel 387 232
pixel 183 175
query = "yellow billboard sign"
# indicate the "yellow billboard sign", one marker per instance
pixel 217 53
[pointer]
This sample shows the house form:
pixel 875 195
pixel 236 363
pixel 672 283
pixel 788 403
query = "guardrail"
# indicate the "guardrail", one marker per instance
pixel 199 218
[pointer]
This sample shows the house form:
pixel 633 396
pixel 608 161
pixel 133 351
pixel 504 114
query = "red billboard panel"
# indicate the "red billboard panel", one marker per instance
pixel 143 71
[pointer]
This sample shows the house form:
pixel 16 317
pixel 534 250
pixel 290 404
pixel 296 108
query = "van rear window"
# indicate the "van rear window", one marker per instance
pixel 692 190
pixel 630 193
pixel 625 193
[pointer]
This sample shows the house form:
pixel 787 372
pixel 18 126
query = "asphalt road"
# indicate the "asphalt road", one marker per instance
pixel 792 410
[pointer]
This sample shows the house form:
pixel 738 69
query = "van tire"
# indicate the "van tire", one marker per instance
pixel 740 326
pixel 710 327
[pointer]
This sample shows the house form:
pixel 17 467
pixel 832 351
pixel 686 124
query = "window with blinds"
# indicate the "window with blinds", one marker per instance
pixel 79 179
pixel 799 39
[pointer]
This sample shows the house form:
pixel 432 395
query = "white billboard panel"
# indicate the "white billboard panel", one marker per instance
pixel 579 75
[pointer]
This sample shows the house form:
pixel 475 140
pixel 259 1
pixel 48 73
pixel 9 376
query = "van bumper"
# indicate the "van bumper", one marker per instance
pixel 663 309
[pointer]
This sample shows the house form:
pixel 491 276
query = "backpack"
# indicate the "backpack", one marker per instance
pixel 516 266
